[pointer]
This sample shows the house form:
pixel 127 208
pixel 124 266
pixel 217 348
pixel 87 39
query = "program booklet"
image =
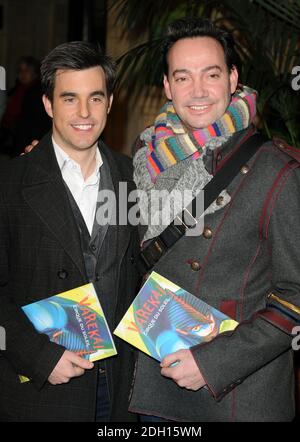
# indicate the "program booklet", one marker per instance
pixel 75 320
pixel 164 318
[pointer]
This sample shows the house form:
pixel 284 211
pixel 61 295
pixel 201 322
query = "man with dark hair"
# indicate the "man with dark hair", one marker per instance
pixel 246 261
pixel 76 55
pixel 199 28
pixel 51 242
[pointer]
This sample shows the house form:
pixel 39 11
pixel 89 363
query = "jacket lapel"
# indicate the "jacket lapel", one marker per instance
pixel 45 193
pixel 100 230
pixel 122 231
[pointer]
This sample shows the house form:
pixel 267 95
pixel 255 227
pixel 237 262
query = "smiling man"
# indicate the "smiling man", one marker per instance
pixel 198 81
pixel 246 261
pixel 79 109
pixel 50 242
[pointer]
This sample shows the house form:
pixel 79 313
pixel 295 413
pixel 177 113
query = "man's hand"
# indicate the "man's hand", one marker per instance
pixel 185 372
pixel 30 147
pixel 69 366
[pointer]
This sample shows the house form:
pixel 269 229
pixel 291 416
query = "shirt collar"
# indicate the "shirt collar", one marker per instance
pixel 63 158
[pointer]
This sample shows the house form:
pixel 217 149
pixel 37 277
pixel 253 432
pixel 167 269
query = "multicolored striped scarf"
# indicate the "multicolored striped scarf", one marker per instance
pixel 172 143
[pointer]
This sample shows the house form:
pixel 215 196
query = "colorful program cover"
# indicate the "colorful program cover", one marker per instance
pixel 165 318
pixel 75 320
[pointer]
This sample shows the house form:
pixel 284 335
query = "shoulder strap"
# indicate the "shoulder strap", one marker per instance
pixel 292 152
pixel 158 246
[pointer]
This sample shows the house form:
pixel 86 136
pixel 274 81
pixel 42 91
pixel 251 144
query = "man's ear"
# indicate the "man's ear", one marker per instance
pixel 110 100
pixel 48 106
pixel 167 88
pixel 234 78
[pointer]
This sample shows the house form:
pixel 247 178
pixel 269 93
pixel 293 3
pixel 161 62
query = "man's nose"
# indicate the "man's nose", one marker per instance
pixel 84 109
pixel 199 88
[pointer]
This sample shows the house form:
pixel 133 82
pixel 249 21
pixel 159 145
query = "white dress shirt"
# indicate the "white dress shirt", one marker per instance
pixel 85 192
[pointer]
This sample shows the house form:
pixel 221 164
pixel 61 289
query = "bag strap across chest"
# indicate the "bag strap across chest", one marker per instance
pixel 187 219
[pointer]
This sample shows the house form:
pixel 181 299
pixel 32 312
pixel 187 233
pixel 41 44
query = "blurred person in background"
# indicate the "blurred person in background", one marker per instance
pixel 24 116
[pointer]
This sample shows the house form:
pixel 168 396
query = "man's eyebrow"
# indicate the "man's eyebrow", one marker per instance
pixel 74 94
pixel 67 94
pixel 99 92
pixel 207 68
pixel 181 71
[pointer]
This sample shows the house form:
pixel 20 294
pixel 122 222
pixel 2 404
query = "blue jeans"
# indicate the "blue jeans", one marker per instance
pixel 145 418
pixel 102 403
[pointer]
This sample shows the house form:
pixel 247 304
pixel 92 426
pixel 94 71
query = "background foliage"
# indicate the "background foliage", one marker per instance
pixel 267 35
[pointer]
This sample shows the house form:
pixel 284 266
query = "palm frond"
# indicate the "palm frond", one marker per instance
pixel 145 59
pixel 267 35
pixel 287 11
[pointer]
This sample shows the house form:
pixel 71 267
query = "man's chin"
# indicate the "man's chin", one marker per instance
pixel 199 123
pixel 82 146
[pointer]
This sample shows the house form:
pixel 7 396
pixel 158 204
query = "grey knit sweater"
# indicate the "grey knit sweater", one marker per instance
pixel 187 178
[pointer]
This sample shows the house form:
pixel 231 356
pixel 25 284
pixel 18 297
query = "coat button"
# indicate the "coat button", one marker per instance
pixel 62 274
pixel 245 169
pixel 207 233
pixel 93 247
pixel 195 265
pixel 220 200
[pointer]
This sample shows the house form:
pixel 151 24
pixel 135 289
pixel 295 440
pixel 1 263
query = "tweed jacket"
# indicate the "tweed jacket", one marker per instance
pixel 249 248
pixel 40 256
